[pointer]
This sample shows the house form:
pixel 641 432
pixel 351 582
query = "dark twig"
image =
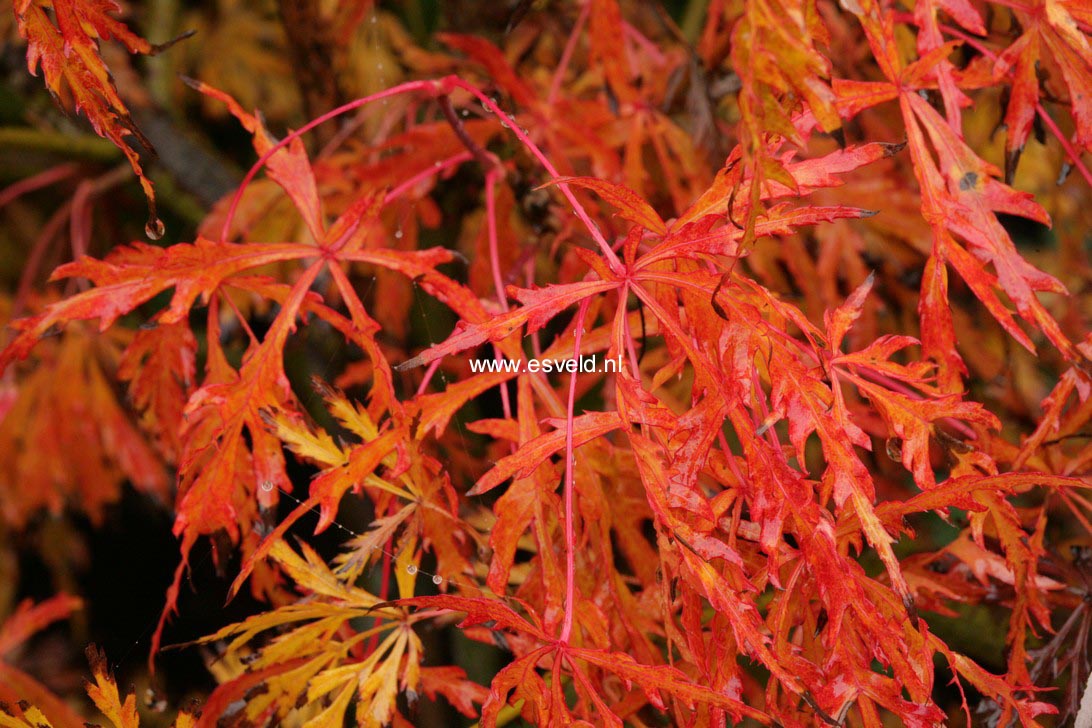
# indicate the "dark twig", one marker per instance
pixel 487 160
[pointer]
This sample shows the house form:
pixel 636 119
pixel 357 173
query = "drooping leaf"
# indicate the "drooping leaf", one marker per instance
pixel 63 38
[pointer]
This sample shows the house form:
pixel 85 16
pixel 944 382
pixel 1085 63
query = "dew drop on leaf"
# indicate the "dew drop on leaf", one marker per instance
pixel 155 229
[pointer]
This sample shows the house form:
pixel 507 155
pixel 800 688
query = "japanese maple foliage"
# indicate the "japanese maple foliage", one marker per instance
pixel 793 224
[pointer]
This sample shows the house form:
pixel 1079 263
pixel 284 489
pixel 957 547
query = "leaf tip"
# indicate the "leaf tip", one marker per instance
pixel 323 388
pixel 267 416
pixel 177 39
pixel 1012 160
pixel 192 82
pixel 891 149
pixel 409 364
pixel 911 609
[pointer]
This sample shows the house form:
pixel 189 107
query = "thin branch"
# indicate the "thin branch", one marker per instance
pixel 486 160
pixel 402 88
pixel 570 462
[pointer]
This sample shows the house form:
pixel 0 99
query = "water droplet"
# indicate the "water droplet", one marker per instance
pixel 154 701
pixel 411 569
pixel 267 486
pixel 466 113
pixel 155 229
pixel 437 579
pixel 379 66
pixel 398 234
pixel 375 18
pixel 504 124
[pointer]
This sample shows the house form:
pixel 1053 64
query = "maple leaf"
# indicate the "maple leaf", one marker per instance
pixel 630 205
pixel 522 677
pixel 540 705
pixel 314 659
pixel 961 197
pixel 533 453
pixel 66 48
pixel 377 466
pixel 452 683
pixel 217 456
pixel 1051 26
pixel 133 275
pixel 539 306
pixel 966 206
pixel 1015 705
pixel 775 76
pixel 287 166
pixel 105 695
pixel 910 419
pixel 66 438
pixel 664 678
pixel 161 369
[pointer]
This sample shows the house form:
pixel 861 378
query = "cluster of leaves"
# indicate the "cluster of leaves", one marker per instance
pixel 803 261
